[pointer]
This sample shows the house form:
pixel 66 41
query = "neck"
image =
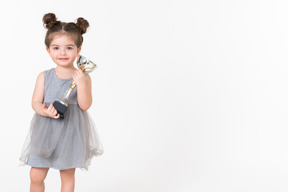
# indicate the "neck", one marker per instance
pixel 64 72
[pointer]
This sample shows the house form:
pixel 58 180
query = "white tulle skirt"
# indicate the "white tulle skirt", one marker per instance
pixel 62 143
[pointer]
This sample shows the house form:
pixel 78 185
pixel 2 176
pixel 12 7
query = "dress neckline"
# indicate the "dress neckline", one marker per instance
pixel 59 77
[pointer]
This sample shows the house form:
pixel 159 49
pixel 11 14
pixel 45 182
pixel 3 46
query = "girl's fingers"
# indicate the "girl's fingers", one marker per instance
pixel 50 106
pixel 43 106
pixel 78 72
pixel 54 112
pixel 51 111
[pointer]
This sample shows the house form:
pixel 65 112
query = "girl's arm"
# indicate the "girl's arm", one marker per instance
pixel 37 100
pixel 84 90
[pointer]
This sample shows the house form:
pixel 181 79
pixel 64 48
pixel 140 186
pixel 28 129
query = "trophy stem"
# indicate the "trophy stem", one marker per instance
pixel 64 99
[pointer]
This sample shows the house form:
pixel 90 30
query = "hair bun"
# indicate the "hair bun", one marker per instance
pixel 49 20
pixel 82 24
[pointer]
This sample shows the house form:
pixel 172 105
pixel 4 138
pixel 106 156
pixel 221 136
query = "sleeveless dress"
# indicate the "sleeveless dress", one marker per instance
pixel 61 143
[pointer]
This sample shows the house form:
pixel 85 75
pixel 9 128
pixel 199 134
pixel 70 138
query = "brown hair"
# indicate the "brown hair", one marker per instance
pixel 54 26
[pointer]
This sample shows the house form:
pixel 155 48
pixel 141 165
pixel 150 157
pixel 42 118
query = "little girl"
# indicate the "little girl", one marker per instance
pixel 69 143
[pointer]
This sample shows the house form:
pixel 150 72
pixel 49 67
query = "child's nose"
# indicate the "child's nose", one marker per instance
pixel 62 51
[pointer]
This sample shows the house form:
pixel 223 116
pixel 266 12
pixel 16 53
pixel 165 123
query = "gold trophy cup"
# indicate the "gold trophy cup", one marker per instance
pixel 61 104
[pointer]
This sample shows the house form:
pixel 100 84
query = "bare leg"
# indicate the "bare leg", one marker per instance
pixel 37 177
pixel 67 180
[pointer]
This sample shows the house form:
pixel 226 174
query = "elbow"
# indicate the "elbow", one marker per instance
pixel 34 105
pixel 85 106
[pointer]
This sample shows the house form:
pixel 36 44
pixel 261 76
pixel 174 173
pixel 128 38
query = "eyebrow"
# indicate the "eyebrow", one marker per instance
pixel 54 45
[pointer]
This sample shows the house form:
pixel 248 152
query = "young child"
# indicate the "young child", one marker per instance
pixel 69 143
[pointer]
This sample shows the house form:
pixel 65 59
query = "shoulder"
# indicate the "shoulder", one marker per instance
pixel 40 79
pixel 44 74
pixel 41 75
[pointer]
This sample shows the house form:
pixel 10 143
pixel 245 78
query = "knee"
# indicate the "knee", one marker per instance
pixel 37 176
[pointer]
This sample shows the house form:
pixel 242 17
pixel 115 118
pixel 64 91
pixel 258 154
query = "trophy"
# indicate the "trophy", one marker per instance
pixel 61 103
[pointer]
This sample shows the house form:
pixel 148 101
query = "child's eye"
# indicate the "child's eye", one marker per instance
pixel 69 48
pixel 55 48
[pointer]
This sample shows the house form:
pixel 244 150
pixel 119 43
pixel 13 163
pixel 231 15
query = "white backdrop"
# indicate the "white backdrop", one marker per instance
pixel 188 95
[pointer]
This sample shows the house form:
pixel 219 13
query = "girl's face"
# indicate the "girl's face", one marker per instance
pixel 63 50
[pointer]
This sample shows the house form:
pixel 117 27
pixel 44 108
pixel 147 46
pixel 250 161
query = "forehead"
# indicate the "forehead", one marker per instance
pixel 63 39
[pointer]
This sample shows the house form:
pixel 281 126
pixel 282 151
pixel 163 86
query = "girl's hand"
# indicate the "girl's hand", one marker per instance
pixel 79 77
pixel 50 111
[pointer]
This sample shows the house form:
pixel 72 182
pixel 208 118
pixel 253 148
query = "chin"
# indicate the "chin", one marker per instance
pixel 65 63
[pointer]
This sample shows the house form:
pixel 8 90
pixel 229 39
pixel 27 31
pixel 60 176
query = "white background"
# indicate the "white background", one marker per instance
pixel 188 95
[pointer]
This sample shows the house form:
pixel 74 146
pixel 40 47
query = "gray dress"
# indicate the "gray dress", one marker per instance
pixel 61 143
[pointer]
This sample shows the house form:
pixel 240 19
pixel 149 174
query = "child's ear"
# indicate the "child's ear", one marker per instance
pixel 78 50
pixel 48 50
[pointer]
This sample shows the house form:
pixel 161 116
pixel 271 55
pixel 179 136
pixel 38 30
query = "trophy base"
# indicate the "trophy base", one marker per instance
pixel 60 108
